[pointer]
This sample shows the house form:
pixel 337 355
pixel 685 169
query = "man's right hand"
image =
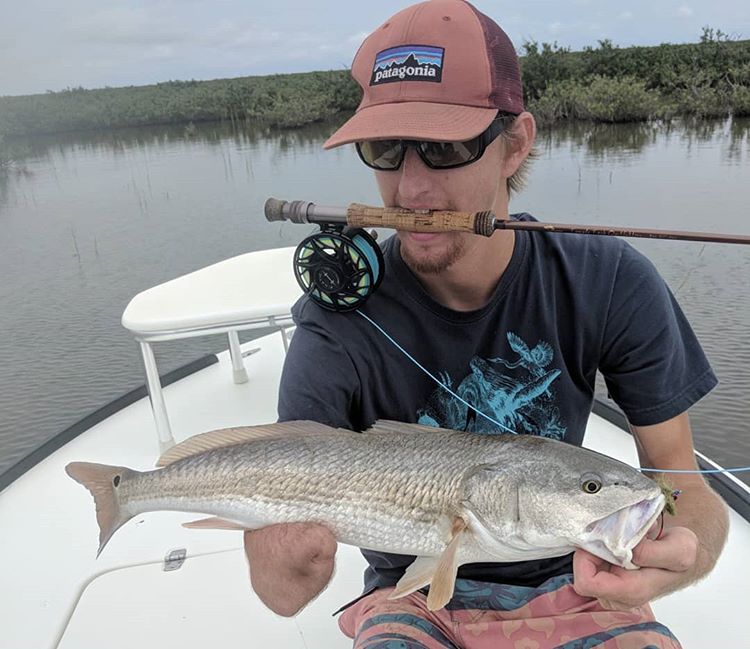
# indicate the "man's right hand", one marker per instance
pixel 290 564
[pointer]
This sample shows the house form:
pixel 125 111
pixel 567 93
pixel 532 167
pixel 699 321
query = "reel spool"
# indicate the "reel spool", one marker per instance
pixel 339 269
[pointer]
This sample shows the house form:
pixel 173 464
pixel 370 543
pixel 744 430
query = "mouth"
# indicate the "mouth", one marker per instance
pixel 613 537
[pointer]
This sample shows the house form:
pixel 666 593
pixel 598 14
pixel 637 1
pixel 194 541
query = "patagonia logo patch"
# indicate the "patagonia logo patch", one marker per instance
pixel 408 63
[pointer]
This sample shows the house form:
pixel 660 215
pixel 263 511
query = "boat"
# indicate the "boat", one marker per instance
pixel 158 584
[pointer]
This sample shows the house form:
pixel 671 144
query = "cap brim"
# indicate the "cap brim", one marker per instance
pixel 415 120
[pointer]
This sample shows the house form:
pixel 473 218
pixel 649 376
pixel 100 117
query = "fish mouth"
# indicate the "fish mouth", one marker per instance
pixel 613 537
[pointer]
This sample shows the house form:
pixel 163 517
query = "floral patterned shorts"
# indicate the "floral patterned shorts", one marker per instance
pixel 483 615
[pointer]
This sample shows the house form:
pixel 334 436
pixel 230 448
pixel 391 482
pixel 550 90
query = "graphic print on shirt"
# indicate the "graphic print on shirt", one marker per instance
pixel 516 392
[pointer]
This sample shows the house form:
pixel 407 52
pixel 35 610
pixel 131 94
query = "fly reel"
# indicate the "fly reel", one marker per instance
pixel 338 268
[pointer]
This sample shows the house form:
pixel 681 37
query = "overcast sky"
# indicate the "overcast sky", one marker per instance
pixel 47 45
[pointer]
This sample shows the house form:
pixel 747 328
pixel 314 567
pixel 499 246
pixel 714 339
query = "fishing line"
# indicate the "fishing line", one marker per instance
pixel 704 471
pixel 497 423
pixel 426 371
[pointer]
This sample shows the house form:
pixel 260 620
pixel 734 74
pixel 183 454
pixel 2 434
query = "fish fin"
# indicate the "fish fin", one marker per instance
pixel 102 481
pixel 444 580
pixel 388 426
pixel 418 575
pixel 214 523
pixel 231 436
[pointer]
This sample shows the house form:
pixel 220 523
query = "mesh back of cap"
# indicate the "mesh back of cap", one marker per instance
pixel 507 89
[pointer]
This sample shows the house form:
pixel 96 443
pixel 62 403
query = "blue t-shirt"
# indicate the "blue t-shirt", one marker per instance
pixel 565 306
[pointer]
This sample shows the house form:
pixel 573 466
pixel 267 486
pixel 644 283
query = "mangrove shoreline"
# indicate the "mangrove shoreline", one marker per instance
pixel 606 83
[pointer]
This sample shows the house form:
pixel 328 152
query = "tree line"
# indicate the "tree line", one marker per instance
pixel 604 83
pixel 611 84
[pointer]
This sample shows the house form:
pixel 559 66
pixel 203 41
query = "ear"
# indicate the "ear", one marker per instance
pixel 521 142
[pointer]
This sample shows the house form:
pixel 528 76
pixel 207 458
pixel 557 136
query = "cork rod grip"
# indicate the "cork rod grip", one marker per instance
pixel 362 216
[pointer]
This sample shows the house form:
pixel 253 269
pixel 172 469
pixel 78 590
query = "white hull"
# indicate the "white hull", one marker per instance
pixel 55 593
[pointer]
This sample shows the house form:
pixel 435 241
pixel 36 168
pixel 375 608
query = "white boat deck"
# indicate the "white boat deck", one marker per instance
pixel 56 594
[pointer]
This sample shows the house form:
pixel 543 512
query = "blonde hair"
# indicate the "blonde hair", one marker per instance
pixel 510 139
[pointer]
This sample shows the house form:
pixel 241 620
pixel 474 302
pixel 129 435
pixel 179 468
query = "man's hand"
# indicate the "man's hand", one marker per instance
pixel 665 565
pixel 290 564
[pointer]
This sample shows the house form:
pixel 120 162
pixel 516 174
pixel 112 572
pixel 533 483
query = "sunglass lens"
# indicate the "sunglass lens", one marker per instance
pixel 450 154
pixel 382 154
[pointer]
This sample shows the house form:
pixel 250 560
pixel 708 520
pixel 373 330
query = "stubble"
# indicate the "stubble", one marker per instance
pixel 433 262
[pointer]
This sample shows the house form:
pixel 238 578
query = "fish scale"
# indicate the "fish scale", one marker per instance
pixel 320 478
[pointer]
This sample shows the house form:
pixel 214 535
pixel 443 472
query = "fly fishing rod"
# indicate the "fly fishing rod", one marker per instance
pixel 483 223
pixel 341 266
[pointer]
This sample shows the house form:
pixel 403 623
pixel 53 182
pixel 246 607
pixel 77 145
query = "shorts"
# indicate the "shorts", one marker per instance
pixel 484 615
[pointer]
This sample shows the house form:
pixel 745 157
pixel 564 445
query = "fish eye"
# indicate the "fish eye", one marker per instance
pixel 116 481
pixel 591 484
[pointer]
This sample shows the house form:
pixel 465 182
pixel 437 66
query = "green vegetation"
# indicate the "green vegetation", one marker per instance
pixel 604 83
pixel 612 84
pixel 285 101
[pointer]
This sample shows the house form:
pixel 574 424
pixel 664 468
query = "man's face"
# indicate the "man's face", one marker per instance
pixel 472 188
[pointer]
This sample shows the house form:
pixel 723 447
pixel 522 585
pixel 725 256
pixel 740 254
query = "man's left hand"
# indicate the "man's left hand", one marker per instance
pixel 665 565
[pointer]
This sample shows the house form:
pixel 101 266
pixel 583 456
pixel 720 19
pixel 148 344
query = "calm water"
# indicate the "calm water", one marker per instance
pixel 88 221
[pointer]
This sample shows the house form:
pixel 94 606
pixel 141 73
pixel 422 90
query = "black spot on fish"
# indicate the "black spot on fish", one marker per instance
pixel 116 481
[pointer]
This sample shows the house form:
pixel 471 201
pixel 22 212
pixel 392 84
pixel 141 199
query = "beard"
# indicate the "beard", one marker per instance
pixel 422 259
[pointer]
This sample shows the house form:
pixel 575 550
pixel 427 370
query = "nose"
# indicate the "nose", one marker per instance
pixel 416 179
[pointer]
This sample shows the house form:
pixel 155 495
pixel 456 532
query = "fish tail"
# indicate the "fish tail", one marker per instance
pixel 103 481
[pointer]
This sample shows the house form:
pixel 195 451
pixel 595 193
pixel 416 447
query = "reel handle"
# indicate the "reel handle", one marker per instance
pixel 364 216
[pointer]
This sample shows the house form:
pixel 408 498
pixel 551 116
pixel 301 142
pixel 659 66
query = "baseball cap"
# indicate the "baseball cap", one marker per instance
pixel 438 70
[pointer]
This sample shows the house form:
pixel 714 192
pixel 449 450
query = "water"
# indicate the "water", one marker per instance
pixel 89 220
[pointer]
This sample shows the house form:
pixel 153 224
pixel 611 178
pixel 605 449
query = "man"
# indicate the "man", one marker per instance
pixel 517 325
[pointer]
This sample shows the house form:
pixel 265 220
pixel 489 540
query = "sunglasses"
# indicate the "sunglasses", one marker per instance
pixel 388 155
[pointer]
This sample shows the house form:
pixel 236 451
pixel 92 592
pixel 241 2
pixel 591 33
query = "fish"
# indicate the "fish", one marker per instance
pixel 446 497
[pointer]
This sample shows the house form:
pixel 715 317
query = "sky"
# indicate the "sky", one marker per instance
pixel 46 45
